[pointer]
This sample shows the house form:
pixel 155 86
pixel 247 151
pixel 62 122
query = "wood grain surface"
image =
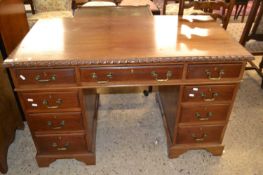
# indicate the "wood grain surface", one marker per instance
pixel 104 40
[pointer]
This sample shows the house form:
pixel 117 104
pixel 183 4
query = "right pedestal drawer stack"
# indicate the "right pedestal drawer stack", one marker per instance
pixel 203 108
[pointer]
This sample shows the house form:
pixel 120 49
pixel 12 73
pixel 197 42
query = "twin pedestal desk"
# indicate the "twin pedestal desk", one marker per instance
pixel 60 63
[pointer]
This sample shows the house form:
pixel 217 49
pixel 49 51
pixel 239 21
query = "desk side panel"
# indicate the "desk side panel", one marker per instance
pixel 169 96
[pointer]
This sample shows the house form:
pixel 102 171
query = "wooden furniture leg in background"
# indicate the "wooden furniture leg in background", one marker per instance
pixel 242 5
pixel 13 27
pixel 10 118
pixel 260 69
pixel 3 162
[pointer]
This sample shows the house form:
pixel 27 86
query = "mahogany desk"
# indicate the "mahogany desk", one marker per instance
pixel 60 63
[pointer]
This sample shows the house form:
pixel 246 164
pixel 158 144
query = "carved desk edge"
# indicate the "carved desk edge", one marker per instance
pixel 106 61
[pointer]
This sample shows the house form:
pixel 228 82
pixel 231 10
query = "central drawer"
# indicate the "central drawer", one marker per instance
pixel 43 101
pixel 155 74
pixel 43 122
pixel 61 144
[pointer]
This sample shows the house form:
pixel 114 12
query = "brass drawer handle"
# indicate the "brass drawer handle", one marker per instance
pixel 64 148
pixel 102 82
pixel 38 78
pixel 198 116
pixel 214 95
pixel 58 102
pixel 95 76
pixel 201 139
pixel 168 75
pixel 209 76
pixel 60 126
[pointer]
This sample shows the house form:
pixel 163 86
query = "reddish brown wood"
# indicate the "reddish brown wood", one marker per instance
pixel 240 5
pixel 216 150
pixel 224 9
pixel 55 122
pixel 252 31
pixel 209 93
pixel 177 150
pixel 249 31
pixel 202 113
pixel 78 3
pixel 75 138
pixel 43 101
pixel 44 160
pixel 190 132
pixel 91 103
pixel 105 75
pixel 88 156
pixel 199 134
pixel 44 77
pixel 10 117
pixel 13 23
pixel 202 71
pixel 169 96
pixel 116 52
pixel 61 144
pixel 120 41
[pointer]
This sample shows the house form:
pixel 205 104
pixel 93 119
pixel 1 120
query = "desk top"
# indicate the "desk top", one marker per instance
pixel 125 40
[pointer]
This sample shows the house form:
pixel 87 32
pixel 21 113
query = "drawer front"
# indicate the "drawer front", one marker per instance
pixel 61 143
pixel 213 72
pixel 128 74
pixel 208 93
pixel 199 134
pixel 203 113
pixel 50 101
pixel 44 77
pixel 55 122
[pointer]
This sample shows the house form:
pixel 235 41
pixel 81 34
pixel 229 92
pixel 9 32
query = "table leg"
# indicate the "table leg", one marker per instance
pixel 260 70
pixel 240 10
pixel 244 13
pixel 235 15
pixel 3 163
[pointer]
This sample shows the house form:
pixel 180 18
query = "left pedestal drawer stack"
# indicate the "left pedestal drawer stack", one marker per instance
pixel 62 118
